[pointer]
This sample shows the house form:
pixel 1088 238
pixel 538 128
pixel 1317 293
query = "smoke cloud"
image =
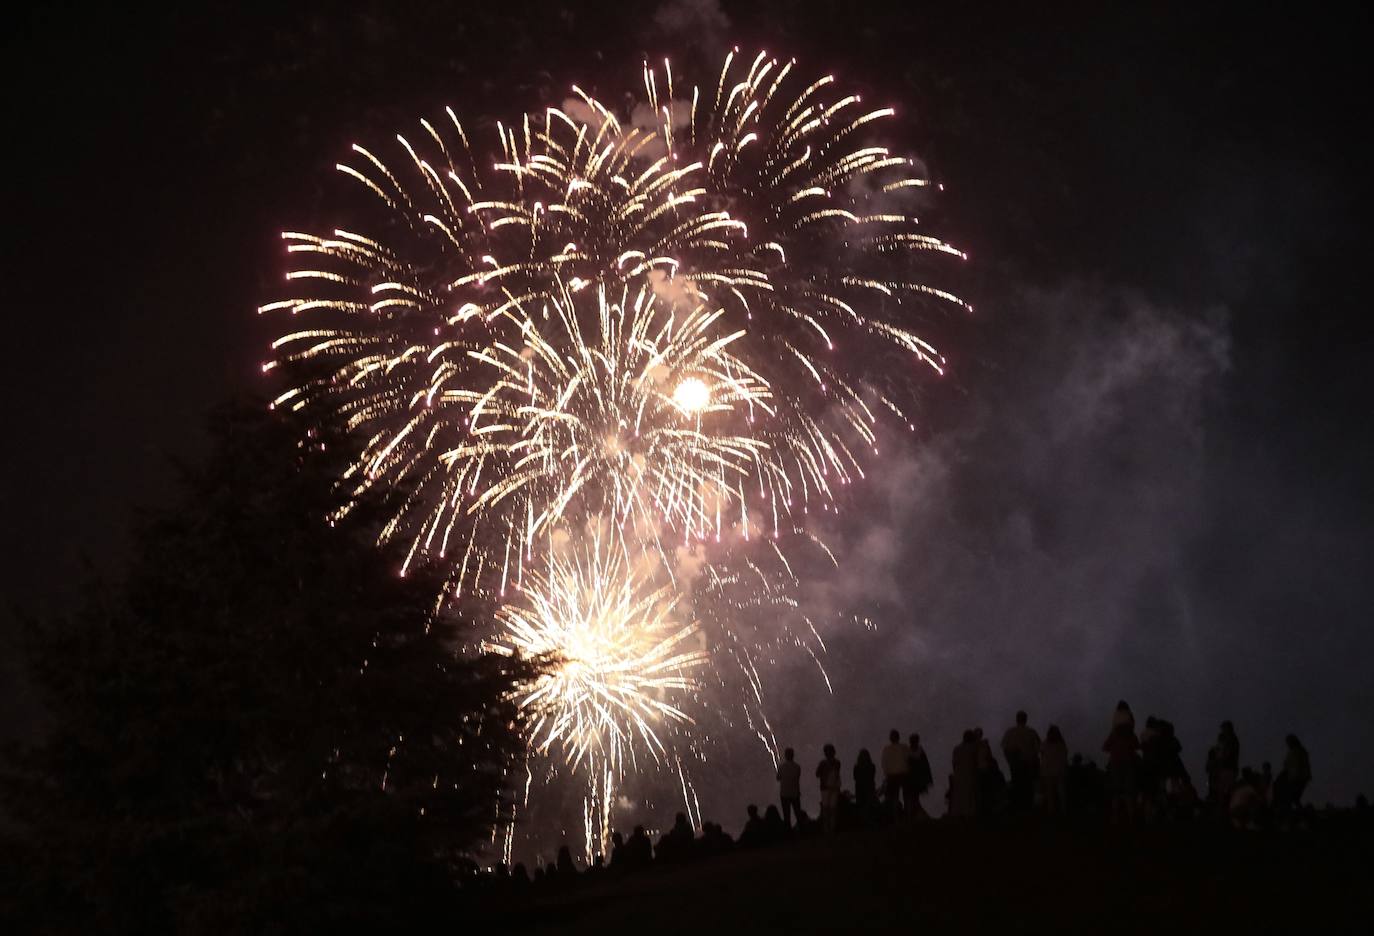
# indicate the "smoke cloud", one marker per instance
pixel 1036 553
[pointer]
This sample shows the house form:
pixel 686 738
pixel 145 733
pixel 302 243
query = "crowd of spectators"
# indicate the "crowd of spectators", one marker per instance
pixel 1144 781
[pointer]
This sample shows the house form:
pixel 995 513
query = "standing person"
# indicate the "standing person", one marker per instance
pixel 896 757
pixel 1292 780
pixel 918 777
pixel 1123 716
pixel 1223 766
pixel 1054 772
pixel 1154 766
pixel 1021 748
pixel 1176 782
pixel 789 786
pixel 865 791
pixel 1264 782
pixel 963 782
pixel 566 867
pixel 1122 769
pixel 828 773
pixel 992 786
pixel 639 851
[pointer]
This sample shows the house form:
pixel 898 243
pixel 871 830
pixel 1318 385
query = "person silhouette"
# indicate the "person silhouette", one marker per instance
pixel 1223 766
pixel 675 846
pixel 1122 715
pixel 865 791
pixel 1021 748
pixel 828 773
pixel 963 783
pixel 918 777
pixel 992 786
pixel 896 759
pixel 1054 770
pixel 639 851
pixel 566 868
pixel 789 786
pixel 1246 807
pixel 617 852
pixel 1122 771
pixel 774 829
pixel 713 840
pixel 1294 776
pixel 753 833
pixel 1154 762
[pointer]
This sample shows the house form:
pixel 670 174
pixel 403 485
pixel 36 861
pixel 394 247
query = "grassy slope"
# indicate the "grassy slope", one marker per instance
pixel 939 877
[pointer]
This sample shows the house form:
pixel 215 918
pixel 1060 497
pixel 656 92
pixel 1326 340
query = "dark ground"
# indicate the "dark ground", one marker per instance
pixel 947 878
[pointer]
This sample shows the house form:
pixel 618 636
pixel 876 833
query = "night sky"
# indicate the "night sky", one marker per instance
pixel 1146 475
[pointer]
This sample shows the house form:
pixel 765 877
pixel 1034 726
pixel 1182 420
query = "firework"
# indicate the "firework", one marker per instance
pixel 640 408
pixel 688 317
pixel 621 655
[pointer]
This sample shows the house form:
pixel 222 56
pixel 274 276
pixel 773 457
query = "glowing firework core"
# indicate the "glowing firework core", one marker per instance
pixel 692 396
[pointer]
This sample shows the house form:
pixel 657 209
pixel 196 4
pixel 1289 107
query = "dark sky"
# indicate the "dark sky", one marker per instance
pixel 1145 477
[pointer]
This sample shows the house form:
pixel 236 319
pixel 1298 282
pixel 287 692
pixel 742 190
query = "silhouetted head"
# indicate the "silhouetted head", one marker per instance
pixel 969 735
pixel 1228 728
pixel 1052 734
pixel 915 741
pixel 753 811
pixel 1021 718
pixel 1151 722
pixel 829 750
pixel 894 736
pixel 639 830
pixel 771 815
pixel 788 754
pixel 864 756
pixel 978 734
pixel 617 839
pixel 681 822
pixel 1293 742
pixel 1077 760
pixel 1121 706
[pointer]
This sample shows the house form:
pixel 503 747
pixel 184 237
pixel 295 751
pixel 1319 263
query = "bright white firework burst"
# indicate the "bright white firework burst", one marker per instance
pixel 621 656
